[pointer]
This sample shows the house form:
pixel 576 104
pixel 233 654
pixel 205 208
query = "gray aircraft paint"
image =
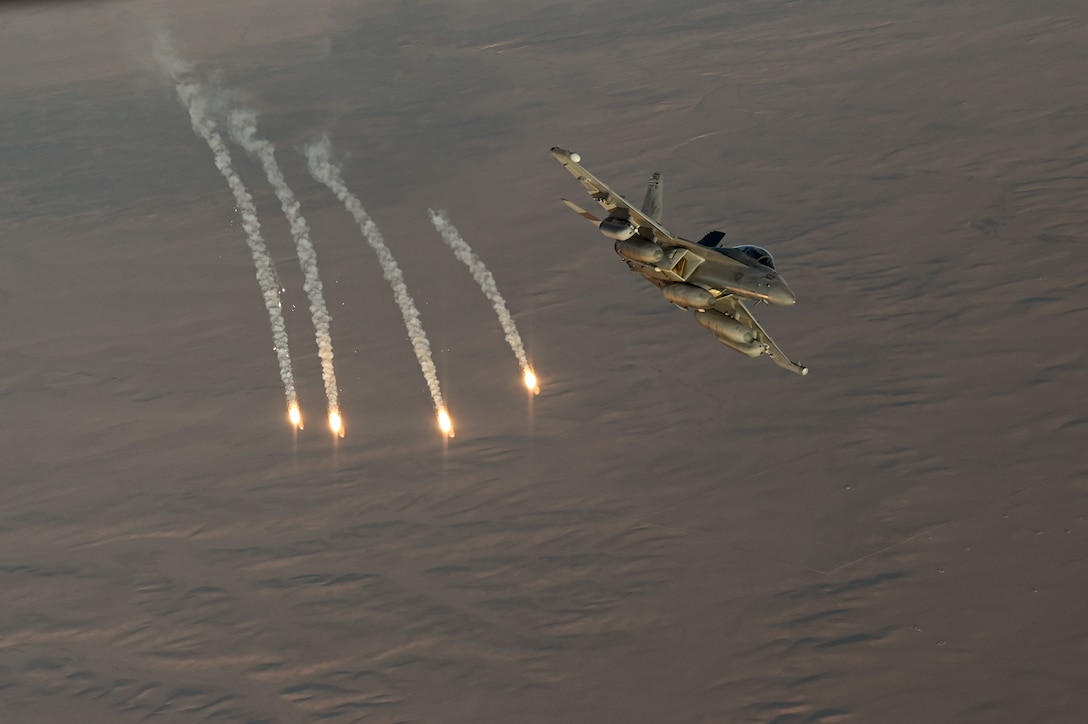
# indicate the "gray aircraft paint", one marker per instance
pixel 712 280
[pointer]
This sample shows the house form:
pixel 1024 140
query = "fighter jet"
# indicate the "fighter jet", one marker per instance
pixel 707 276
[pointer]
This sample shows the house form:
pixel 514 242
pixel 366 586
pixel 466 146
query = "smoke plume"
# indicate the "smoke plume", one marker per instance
pixel 483 277
pixel 319 156
pixel 243 129
pixel 191 94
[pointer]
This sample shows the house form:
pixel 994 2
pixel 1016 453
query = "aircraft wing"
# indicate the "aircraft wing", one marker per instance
pixel 616 205
pixel 735 308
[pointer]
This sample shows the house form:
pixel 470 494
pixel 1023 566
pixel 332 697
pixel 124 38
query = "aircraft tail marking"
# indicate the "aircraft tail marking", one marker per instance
pixel 653 204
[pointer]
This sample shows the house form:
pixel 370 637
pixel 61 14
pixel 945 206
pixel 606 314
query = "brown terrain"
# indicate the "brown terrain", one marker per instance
pixel 669 532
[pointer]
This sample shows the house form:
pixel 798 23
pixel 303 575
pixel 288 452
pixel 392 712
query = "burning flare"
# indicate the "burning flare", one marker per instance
pixel 243 129
pixel 295 416
pixel 336 424
pixel 322 168
pixel 444 423
pixel 487 284
pixel 192 95
pixel 530 381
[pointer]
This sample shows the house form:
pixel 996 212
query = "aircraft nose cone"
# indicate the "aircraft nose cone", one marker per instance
pixel 781 295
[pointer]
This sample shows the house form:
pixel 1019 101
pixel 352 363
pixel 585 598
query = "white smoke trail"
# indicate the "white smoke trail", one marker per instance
pixel 243 129
pixel 319 155
pixel 483 277
pixel 191 94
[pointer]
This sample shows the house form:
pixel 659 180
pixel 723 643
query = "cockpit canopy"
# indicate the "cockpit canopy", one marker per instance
pixel 716 240
pixel 758 253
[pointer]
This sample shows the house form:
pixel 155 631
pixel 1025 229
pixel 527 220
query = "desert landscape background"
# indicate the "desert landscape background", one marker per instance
pixel 669 532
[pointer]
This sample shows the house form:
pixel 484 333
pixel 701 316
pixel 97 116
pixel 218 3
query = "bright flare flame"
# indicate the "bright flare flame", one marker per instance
pixel 336 424
pixel 444 423
pixel 295 416
pixel 531 383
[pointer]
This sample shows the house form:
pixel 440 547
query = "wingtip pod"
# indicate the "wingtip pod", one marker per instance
pixel 787 364
pixel 564 155
pixel 795 367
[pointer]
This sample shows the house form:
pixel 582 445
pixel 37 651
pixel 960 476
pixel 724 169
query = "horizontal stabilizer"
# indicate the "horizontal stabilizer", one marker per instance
pixel 582 212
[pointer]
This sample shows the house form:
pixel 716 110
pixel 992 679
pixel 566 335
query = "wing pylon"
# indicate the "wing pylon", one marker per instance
pixel 736 309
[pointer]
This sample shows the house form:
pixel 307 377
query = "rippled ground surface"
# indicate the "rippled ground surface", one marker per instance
pixel 669 532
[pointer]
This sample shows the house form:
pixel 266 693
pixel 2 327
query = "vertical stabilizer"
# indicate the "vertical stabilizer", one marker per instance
pixel 652 204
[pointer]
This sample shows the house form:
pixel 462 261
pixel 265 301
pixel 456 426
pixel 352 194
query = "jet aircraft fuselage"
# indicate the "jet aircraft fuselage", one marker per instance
pixel 708 276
